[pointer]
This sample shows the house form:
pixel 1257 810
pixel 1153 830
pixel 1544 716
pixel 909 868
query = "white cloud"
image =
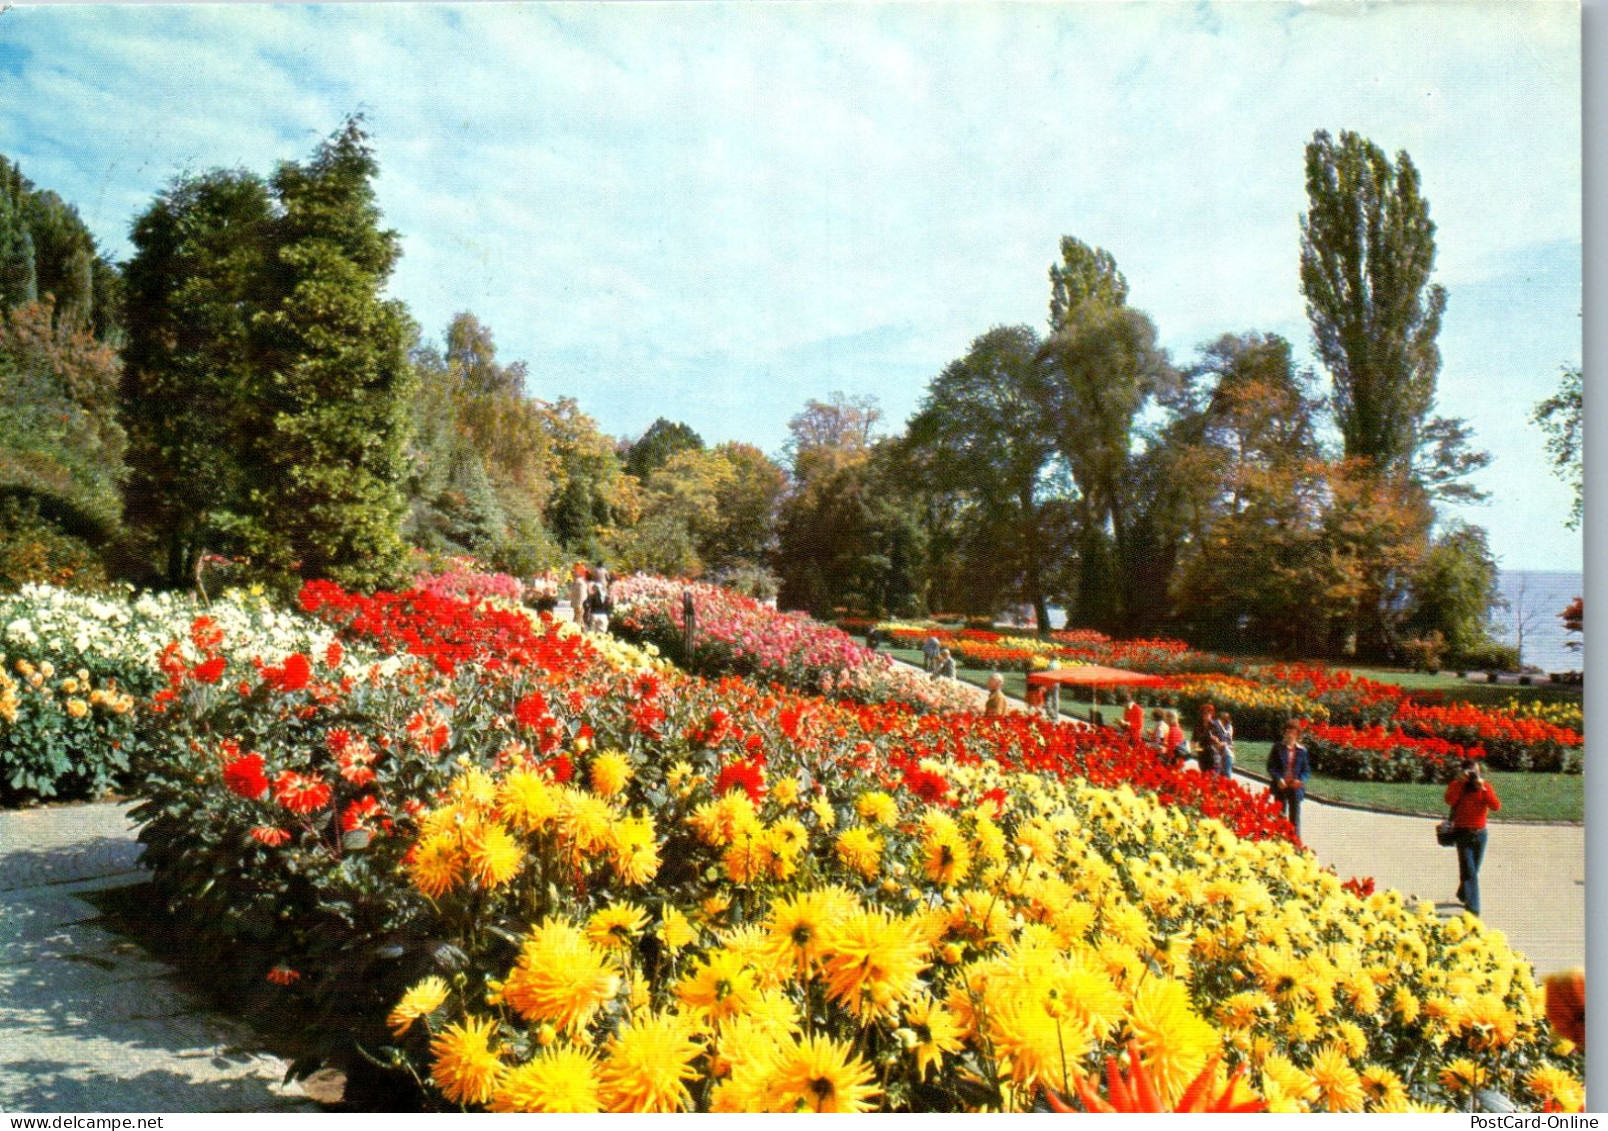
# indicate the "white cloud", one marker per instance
pixel 657 201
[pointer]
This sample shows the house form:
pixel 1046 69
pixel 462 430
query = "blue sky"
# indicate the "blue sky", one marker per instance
pixel 714 212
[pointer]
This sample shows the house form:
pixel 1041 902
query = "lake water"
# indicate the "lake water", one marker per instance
pixel 1537 597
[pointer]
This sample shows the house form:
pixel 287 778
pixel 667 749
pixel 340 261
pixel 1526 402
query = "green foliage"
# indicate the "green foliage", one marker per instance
pixel 67 735
pixel 592 493
pixel 1454 591
pixel 45 249
pixel 662 440
pixel 482 457
pixel 193 399
pixel 34 550
pixel 1085 274
pixel 61 450
pixel 745 534
pixel 269 388
pixel 1561 418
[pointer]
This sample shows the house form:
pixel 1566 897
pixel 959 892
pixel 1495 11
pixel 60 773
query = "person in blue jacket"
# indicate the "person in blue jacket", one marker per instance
pixel 1288 769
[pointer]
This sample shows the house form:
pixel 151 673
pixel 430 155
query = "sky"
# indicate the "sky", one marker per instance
pixel 714 212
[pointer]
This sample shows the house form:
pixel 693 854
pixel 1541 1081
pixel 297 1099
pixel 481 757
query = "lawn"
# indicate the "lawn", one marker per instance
pixel 1525 797
pixel 1475 691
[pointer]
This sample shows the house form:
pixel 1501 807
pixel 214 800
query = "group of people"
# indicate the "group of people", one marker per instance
pixel 1212 744
pixel 590 599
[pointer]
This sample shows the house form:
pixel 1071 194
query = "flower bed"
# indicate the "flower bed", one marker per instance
pixel 737 635
pixel 73 665
pixel 1376 754
pixel 548 873
pixel 1259 709
pixel 1263 699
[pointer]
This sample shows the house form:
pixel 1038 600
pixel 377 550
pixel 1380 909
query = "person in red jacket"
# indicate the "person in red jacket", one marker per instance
pixel 1471 798
pixel 1133 717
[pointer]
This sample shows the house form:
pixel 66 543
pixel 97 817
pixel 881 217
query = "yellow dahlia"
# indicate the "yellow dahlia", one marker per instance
pixel 610 772
pixel 878 808
pixel 647 1066
pixel 559 1081
pixel 634 850
pixel 820 1074
pixel 616 926
pixel 424 997
pixel 1173 1041
pixel 560 977
pixel 873 962
pixel 463 1064
pixel 435 864
pixel 494 855
pixel 722 985
pixel 860 851
pixel 1339 1086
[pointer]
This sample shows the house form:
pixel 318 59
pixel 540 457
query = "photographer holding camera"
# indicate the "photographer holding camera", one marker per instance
pixel 1471 798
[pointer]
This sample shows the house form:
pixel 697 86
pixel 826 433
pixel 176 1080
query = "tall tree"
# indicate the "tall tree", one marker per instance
pixel 1100 368
pixel 1367 256
pixel 1561 418
pixel 1085 274
pixel 1243 463
pixel 841 422
pixel 982 420
pixel 1455 590
pixel 331 353
pixel 191 397
pixel 746 532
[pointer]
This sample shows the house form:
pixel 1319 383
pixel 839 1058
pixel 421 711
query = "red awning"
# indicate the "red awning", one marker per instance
pixel 1091 675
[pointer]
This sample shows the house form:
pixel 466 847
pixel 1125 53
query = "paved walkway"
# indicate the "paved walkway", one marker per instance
pixel 89 1022
pixel 1532 884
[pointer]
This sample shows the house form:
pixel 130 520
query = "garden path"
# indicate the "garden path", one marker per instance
pixel 1532 884
pixel 89 1022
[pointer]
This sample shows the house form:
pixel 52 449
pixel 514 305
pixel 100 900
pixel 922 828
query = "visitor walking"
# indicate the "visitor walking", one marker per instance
pixel 1470 797
pixel 1225 754
pixel 1133 716
pixel 929 654
pixel 1208 739
pixel 1177 741
pixel 602 577
pixel 1288 768
pixel 1158 730
pixel 995 705
pixel 577 596
pixel 597 609
pixel 945 667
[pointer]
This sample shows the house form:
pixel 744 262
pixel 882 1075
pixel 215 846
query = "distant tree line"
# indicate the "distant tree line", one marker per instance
pixel 241 388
